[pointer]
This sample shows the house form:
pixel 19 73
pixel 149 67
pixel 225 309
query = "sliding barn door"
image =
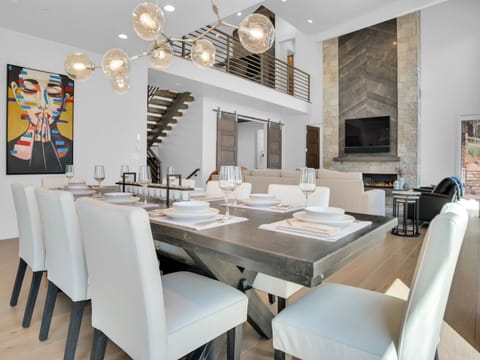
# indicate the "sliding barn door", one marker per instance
pixel 226 139
pixel 274 146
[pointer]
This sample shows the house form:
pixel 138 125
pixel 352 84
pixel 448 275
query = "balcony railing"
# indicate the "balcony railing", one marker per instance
pixel 264 69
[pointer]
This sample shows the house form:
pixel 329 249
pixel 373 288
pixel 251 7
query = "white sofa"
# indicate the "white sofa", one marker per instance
pixel 346 188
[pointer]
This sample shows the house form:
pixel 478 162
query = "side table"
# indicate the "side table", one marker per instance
pixel 405 200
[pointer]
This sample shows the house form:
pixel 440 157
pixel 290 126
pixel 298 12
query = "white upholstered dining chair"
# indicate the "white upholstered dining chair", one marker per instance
pixel 288 195
pixel 147 315
pixel 65 261
pixel 342 322
pixel 292 195
pixel 212 190
pixel 31 246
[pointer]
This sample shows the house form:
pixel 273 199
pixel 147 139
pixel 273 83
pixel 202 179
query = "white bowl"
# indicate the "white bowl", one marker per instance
pixel 324 211
pixel 262 197
pixel 117 195
pixel 76 180
pixel 191 206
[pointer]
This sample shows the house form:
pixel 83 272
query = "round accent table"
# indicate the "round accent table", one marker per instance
pixel 403 202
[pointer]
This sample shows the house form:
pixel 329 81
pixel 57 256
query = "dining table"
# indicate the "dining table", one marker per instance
pixel 236 252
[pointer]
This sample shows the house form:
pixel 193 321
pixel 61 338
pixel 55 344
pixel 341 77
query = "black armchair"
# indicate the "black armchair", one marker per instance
pixel 433 198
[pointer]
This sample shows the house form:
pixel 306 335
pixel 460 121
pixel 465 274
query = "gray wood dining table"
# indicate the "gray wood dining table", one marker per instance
pixel 235 253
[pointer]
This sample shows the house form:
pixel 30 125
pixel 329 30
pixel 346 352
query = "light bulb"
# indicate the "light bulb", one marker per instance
pixel 115 63
pixel 79 66
pixel 120 85
pixel 161 54
pixel 203 53
pixel 256 33
pixel 148 20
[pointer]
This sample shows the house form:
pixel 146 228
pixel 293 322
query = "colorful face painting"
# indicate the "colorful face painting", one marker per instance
pixel 39 121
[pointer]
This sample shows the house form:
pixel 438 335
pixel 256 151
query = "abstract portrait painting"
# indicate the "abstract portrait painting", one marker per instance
pixel 39 121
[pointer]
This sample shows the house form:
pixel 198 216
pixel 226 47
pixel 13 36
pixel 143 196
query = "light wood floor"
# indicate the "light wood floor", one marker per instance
pixel 376 269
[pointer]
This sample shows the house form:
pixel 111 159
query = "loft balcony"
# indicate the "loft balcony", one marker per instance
pixel 262 69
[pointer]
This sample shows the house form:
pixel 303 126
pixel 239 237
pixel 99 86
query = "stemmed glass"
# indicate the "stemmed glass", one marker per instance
pixel 226 182
pixel 69 172
pixel 237 171
pixel 307 182
pixel 99 174
pixel 144 179
pixel 123 169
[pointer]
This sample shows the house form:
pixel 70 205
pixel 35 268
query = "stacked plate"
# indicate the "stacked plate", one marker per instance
pixel 121 198
pixel 78 187
pixel 324 215
pixel 191 210
pixel 261 200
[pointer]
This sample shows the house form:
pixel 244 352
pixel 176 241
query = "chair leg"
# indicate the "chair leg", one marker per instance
pixel 32 297
pixel 279 355
pixel 281 304
pixel 99 345
pixel 22 266
pixel 76 316
pixel 271 299
pixel 48 310
pixel 234 342
pixel 436 355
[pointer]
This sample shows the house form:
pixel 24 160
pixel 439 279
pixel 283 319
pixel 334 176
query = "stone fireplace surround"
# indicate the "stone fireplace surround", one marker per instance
pixel 406 152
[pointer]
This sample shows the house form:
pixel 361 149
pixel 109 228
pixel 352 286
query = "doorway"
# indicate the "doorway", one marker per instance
pixel 470 155
pixel 312 150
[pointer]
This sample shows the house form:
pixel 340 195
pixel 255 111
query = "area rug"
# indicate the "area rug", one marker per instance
pixel 452 345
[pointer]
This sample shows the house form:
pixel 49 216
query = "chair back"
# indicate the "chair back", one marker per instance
pixel 125 283
pixel 31 246
pixel 292 195
pixel 431 284
pixel 63 243
pixel 212 190
pixel 54 181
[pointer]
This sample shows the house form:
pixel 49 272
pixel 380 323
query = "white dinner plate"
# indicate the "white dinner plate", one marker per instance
pixel 260 202
pixel 343 220
pixel 81 192
pixel 122 200
pixel 78 186
pixel 207 214
pixel 117 195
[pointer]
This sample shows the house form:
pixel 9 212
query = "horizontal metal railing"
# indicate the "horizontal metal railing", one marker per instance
pixel 264 69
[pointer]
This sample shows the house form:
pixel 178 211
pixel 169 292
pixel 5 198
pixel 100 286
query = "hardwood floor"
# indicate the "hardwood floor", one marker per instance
pixel 376 269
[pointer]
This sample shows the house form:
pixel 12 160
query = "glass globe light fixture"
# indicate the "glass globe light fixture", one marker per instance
pixel 79 66
pixel 161 54
pixel 120 84
pixel 148 20
pixel 115 63
pixel 203 53
pixel 256 33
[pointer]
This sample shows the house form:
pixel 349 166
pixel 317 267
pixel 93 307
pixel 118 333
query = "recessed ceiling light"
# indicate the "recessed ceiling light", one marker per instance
pixel 239 13
pixel 284 0
pixel 310 21
pixel 169 8
pixel 123 36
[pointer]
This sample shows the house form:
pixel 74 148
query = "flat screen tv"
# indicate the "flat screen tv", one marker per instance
pixel 367 135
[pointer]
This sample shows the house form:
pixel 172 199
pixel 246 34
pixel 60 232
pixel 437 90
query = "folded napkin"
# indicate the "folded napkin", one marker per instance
pixel 196 224
pixel 308 228
pixel 279 208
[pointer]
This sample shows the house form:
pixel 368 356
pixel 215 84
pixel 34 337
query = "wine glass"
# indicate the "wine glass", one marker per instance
pixel 144 179
pixel 307 182
pixel 99 174
pixel 226 182
pixel 237 171
pixel 69 173
pixel 123 169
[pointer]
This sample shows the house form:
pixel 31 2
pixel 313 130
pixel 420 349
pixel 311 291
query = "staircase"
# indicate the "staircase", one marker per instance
pixel 164 108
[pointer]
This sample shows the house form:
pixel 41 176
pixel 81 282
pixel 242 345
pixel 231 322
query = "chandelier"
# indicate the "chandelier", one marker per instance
pixel 256 34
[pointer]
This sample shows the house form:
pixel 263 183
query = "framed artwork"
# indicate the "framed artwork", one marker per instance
pixel 39 121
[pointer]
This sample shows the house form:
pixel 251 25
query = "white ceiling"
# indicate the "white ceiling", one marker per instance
pixel 93 25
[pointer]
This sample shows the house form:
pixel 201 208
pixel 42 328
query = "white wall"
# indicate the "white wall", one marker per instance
pixel 182 148
pixel 450 82
pixel 109 129
pixel 247 143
